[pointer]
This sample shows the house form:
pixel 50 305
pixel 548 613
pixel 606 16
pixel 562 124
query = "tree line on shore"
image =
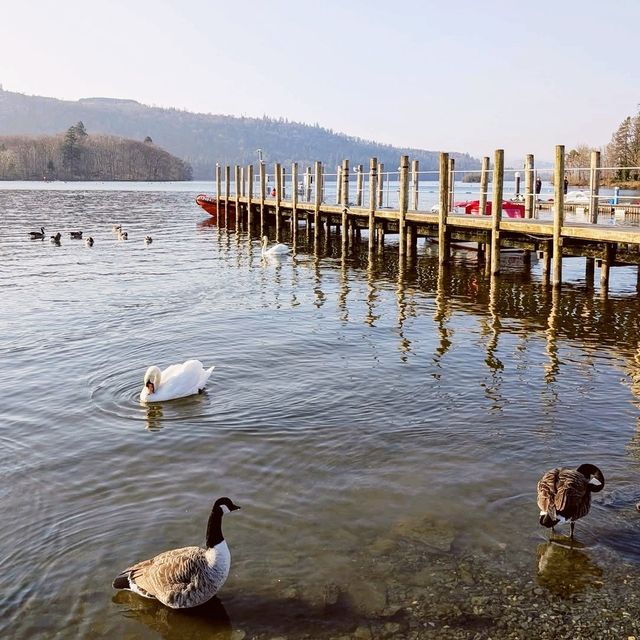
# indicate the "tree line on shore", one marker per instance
pixel 76 155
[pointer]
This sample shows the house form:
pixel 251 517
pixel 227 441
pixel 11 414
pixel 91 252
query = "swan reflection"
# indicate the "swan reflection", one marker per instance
pixel 154 416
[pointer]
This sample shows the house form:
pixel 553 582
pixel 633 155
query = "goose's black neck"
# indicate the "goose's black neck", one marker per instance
pixel 214 527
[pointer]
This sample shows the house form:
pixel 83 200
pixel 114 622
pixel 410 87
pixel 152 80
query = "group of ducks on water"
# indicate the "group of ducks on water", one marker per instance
pixel 190 576
pixel 77 235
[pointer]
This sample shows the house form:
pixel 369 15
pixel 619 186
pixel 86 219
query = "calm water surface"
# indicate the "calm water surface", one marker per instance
pixel 382 428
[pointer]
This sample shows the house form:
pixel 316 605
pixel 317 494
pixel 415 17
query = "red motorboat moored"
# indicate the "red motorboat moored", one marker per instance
pixel 208 203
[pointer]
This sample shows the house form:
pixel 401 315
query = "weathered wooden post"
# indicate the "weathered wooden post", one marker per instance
pixel 558 215
pixel 528 186
pixel 242 184
pixel 278 179
pixel 594 187
pixel 403 204
pixel 359 183
pixel 380 184
pixel 415 176
pixel 263 188
pixel 344 200
pixel 218 193
pixel 238 185
pixel 283 184
pixel 249 197
pixel 452 179
pixel 227 193
pixel 294 204
pixel 496 209
pixel 373 198
pixel 443 209
pixel 318 202
pixel 484 186
pixel 339 185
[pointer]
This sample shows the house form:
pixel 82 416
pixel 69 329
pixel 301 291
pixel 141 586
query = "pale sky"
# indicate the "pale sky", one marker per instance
pixel 440 75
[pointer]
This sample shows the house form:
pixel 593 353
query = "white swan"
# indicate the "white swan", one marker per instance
pixel 277 249
pixel 176 381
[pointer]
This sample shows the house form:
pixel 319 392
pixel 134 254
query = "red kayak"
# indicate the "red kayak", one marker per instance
pixel 510 209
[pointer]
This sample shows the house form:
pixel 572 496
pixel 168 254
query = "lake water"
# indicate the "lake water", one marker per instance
pixel 383 429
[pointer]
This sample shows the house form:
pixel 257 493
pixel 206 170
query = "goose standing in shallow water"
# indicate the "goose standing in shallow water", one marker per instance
pixel 186 577
pixel 564 495
pixel 176 381
pixel 275 250
pixel 37 235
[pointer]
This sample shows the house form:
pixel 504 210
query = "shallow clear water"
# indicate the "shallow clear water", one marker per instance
pixel 370 420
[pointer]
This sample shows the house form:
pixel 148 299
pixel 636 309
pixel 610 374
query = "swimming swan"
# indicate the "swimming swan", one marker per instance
pixel 176 381
pixel 277 249
pixel 186 577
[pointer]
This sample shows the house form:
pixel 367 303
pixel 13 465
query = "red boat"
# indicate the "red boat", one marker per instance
pixel 510 209
pixel 208 203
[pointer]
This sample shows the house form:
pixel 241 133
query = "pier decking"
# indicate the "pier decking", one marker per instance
pixel 608 241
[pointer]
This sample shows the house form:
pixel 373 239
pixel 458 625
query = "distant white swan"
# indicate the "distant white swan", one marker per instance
pixel 275 250
pixel 176 381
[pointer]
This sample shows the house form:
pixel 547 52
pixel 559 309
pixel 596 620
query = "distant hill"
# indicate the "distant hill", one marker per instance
pixel 76 155
pixel 204 139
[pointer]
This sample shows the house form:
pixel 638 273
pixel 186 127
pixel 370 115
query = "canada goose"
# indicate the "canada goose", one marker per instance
pixel 185 577
pixel 75 235
pixel 148 239
pixel 123 235
pixel 276 249
pixel 37 235
pixel 89 241
pixel 176 381
pixel 564 495
pixel 56 239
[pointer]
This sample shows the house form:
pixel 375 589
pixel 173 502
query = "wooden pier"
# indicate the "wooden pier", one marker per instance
pixel 554 239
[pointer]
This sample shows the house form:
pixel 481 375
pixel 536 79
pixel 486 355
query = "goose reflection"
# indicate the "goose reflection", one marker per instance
pixel 565 570
pixel 209 620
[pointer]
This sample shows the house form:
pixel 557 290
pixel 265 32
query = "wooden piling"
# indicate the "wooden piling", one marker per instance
pixel 608 259
pixel 344 200
pixel 227 193
pixel 381 184
pixel 218 194
pixel 318 201
pixel 278 178
pixel 294 203
pixel 484 186
pixel 307 185
pixel 496 209
pixel 452 169
pixel 443 210
pixel 283 184
pixel 528 186
pixel 558 215
pixel 249 197
pixel 373 197
pixel 339 185
pixel 415 174
pixel 403 204
pixel 261 195
pixel 238 189
pixel 594 186
pixel 359 183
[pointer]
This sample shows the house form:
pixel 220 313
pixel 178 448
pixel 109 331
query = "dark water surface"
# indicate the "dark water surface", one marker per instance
pixel 383 429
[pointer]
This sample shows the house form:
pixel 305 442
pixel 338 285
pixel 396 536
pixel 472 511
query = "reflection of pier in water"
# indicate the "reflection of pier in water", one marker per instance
pixel 516 305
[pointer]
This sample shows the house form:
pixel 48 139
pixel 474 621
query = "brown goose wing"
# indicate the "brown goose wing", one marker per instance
pixel 547 489
pixel 573 498
pixel 169 575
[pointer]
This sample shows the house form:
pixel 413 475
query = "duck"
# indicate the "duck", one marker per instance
pixel 276 249
pixel 148 239
pixel 185 577
pixel 37 235
pixel 75 235
pixel 176 381
pixel 564 495
pixel 123 235
pixel 89 241
pixel 56 239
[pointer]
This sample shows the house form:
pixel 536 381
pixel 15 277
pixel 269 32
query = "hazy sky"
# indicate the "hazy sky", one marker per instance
pixel 442 75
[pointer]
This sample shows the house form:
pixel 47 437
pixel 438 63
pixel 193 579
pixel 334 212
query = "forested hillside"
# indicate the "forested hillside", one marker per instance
pixel 76 155
pixel 204 139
